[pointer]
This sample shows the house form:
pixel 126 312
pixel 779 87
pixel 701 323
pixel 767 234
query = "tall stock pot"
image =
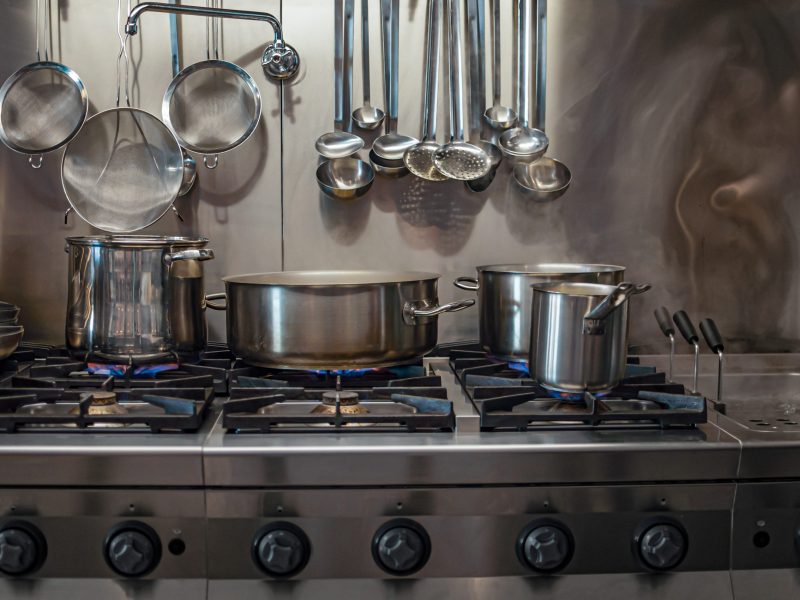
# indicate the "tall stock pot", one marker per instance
pixel 332 319
pixel 136 298
pixel 505 297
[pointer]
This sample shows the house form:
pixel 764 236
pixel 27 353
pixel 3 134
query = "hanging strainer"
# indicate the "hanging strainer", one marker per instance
pixel 212 106
pixel 43 105
pixel 123 170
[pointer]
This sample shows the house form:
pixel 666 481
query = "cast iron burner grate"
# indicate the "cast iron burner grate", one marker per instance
pixel 397 399
pixel 508 399
pixel 43 389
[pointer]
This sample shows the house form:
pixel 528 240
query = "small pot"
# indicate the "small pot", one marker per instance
pixel 136 298
pixel 332 319
pixel 579 336
pixel 505 295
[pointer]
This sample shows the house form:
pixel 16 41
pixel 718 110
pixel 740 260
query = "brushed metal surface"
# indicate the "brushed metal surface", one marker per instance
pixel 564 356
pixel 473 532
pixel 132 296
pixel 331 319
pixel 505 298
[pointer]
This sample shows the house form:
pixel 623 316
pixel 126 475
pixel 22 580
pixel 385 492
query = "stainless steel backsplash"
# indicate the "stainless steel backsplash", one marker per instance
pixel 679 119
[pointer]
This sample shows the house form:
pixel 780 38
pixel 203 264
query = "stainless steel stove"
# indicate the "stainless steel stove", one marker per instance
pixel 400 487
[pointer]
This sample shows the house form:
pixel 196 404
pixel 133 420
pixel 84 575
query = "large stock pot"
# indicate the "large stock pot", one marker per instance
pixel 505 296
pixel 136 298
pixel 332 319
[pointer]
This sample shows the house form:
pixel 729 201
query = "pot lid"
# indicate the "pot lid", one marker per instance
pixel 550 268
pixel 137 241
pixel 330 278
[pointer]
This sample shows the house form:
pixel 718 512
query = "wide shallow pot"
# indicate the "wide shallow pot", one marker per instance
pixel 136 298
pixel 570 352
pixel 332 319
pixel 505 295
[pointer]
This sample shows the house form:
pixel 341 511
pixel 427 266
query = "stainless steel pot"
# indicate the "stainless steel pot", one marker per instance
pixel 505 295
pixel 579 336
pixel 135 298
pixel 332 319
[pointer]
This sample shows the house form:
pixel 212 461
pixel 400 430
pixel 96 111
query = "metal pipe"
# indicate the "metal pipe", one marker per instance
pixel 132 26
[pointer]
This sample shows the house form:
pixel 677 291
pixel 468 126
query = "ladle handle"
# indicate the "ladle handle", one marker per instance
pixel 390 29
pixel 496 53
pixel 431 98
pixel 523 51
pixel 456 71
pixel 365 50
pixel 662 316
pixel 347 66
pixel 684 324
pixel 477 70
pixel 540 99
pixel 712 335
pixel 614 300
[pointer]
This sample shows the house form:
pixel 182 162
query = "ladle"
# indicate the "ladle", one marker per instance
pixel 497 116
pixel 366 117
pixel 391 145
pixel 523 143
pixel 419 158
pixel 593 320
pixel 345 178
pixel 547 178
pixel 341 143
pixel 458 159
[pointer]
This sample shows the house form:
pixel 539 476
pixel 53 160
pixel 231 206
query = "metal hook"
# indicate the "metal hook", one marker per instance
pixel 211 163
pixel 177 214
pixel 35 161
pixel 66 222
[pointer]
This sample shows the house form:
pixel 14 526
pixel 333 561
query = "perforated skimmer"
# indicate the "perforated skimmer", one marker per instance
pixel 459 159
pixel 42 105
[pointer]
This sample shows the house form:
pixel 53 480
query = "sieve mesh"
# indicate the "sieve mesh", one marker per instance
pixel 42 106
pixel 212 106
pixel 123 171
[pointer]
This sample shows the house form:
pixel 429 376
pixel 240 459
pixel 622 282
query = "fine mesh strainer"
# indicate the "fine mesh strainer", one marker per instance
pixel 212 106
pixel 123 170
pixel 42 105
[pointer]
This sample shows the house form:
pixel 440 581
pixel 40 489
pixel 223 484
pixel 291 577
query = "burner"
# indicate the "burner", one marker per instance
pixel 347 401
pixel 102 403
pixel 522 367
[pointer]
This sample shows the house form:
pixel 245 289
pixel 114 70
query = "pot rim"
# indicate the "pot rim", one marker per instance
pixel 570 288
pixel 136 241
pixel 355 278
pixel 548 268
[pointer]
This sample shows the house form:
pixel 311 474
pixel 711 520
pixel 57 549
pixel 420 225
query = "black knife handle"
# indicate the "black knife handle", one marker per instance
pixel 662 316
pixel 685 326
pixel 712 335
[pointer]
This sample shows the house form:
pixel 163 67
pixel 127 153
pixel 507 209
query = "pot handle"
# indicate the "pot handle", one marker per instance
pixel 213 305
pixel 467 283
pixel 412 311
pixel 201 254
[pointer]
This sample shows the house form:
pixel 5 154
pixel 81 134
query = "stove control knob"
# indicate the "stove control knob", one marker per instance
pixel 132 549
pixel 22 548
pixel 401 547
pixel 281 549
pixel 545 546
pixel 662 546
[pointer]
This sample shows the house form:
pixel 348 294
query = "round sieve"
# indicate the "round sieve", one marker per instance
pixel 212 106
pixel 42 105
pixel 124 169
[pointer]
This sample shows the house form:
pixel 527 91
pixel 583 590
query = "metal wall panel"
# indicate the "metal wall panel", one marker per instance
pixel 678 119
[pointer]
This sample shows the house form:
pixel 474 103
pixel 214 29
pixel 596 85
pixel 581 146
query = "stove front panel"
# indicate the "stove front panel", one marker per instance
pixel 473 533
pixel 76 527
pixel 766 540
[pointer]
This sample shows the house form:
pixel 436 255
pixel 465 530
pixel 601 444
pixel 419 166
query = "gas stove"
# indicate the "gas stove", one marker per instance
pixel 372 483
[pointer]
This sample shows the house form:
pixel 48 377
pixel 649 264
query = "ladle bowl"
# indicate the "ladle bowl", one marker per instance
pixel 386 167
pixel 338 144
pixel 500 118
pixel 392 146
pixel 524 144
pixel 345 178
pixel 481 184
pixel 368 117
pixel 462 161
pixel 543 180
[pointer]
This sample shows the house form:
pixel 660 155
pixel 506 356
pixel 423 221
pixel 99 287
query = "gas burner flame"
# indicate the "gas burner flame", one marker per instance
pixel 345 372
pixel 142 372
pixel 573 396
pixel 522 367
